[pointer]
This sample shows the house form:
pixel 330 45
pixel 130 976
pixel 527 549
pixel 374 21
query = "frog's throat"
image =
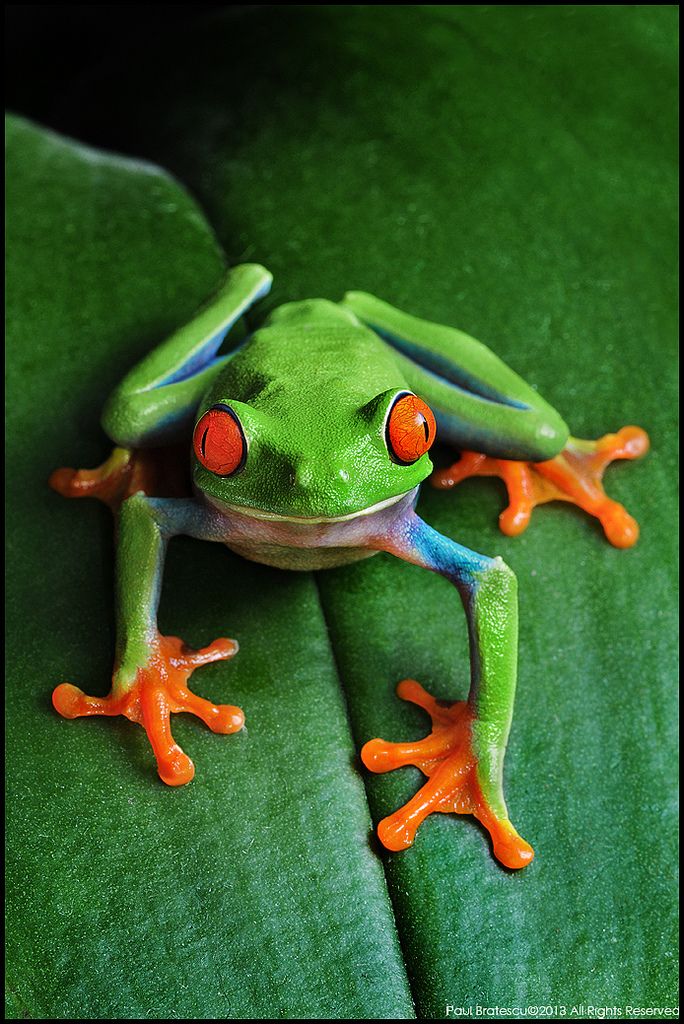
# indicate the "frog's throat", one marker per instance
pixel 273 517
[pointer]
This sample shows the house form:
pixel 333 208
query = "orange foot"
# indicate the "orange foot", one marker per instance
pixel 575 475
pixel 159 472
pixel 446 757
pixel 159 689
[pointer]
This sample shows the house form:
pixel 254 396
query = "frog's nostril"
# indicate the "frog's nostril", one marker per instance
pixel 304 476
pixel 310 476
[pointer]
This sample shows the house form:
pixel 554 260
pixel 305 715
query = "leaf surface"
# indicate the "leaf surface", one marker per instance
pixel 510 171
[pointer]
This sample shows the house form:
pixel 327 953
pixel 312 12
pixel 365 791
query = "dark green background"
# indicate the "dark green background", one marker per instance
pixel 509 170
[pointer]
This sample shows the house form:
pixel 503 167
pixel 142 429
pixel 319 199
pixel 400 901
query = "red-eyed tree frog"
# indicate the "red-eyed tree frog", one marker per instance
pixel 309 442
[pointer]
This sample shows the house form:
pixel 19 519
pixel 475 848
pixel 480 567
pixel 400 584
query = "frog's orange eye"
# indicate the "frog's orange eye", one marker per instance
pixel 411 429
pixel 219 442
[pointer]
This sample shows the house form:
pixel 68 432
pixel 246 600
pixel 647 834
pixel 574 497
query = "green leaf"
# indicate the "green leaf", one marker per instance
pixel 508 170
pixel 253 892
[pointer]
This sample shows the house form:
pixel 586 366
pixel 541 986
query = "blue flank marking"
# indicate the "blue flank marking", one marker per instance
pixel 462 567
pixel 206 355
pixel 445 556
pixel 446 371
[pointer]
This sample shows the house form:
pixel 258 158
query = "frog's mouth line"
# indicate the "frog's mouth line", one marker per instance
pixel 274 517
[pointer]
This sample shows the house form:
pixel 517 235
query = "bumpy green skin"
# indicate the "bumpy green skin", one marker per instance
pixel 139 556
pixel 312 389
pixel 495 627
pixel 144 529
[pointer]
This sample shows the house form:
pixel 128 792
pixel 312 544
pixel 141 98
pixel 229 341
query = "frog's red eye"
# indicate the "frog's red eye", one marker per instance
pixel 219 442
pixel 411 429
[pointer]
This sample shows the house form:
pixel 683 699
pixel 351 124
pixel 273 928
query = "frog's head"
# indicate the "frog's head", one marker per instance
pixel 322 444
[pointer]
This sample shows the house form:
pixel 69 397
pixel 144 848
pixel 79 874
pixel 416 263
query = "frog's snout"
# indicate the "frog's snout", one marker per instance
pixel 325 487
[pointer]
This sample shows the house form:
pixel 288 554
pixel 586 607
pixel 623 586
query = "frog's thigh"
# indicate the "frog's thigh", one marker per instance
pixel 156 402
pixel 525 435
pixel 478 401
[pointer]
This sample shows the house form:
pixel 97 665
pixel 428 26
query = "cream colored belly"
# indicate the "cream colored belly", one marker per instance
pixel 282 557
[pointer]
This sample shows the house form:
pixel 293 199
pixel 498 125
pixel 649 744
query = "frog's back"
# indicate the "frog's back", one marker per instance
pixel 317 349
pixel 308 312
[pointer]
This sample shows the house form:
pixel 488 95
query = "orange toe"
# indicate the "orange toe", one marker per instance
pixel 159 690
pixel 447 758
pixel 175 767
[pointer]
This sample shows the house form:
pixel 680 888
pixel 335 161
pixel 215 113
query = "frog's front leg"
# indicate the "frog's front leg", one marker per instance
pixel 151 671
pixel 463 755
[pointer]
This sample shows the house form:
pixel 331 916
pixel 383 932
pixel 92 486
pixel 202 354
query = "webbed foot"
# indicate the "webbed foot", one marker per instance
pixel 158 472
pixel 158 690
pixel 446 756
pixel 575 476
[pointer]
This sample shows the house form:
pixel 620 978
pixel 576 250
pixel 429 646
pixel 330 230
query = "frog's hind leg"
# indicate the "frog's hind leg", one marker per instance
pixel 502 425
pixel 156 402
pixel 157 472
pixel 574 475
pixel 478 401
pixel 150 414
